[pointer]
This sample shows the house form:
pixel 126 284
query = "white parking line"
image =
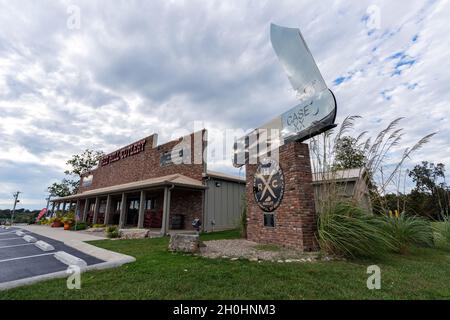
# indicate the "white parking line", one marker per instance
pixel 10 239
pixel 17 245
pixel 27 257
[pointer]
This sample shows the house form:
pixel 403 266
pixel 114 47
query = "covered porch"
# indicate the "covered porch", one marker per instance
pixel 161 204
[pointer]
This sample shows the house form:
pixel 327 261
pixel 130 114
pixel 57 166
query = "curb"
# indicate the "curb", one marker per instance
pixel 30 239
pixel 61 274
pixel 70 260
pixel 44 246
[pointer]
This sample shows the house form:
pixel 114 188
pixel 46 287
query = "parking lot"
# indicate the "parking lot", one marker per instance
pixel 25 257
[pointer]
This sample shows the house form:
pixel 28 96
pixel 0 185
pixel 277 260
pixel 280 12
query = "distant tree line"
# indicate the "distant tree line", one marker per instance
pixel 430 197
pixel 20 216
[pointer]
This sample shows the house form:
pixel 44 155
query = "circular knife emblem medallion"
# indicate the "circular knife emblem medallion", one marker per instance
pixel 268 185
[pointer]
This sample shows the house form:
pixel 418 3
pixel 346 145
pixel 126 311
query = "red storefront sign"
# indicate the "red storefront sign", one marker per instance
pixel 123 153
pixel 41 214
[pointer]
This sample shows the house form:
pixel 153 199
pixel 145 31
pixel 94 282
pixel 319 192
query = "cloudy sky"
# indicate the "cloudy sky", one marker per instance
pixel 127 69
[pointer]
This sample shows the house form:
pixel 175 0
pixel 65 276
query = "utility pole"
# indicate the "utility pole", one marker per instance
pixel 48 200
pixel 48 203
pixel 16 200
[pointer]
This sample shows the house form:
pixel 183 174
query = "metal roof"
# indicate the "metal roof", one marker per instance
pixel 346 175
pixel 174 179
pixel 224 176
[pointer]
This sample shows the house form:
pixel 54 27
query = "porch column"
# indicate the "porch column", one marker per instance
pixel 77 207
pixel 123 209
pixel 53 209
pixel 85 211
pixel 166 211
pixel 169 195
pixel 141 210
pixel 97 205
pixel 108 210
pixel 64 208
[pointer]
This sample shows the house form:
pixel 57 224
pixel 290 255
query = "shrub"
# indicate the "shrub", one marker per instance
pixel 112 232
pixel 79 226
pixel 407 231
pixel 442 230
pixel 44 221
pixel 96 225
pixel 347 230
pixel 68 218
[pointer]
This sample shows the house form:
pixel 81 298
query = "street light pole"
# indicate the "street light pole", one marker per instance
pixel 16 200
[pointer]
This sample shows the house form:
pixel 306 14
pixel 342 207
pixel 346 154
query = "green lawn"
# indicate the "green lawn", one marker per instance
pixel 159 274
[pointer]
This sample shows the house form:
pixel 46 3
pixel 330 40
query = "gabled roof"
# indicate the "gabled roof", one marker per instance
pixel 174 179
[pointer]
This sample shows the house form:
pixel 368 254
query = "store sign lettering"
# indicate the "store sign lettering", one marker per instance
pixel 126 152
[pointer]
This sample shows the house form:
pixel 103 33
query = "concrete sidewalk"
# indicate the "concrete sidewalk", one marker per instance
pixel 60 234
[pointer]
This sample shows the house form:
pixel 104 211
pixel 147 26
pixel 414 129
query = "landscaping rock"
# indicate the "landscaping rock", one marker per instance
pixel 189 243
pixel 133 233
pixel 95 230
pixel 244 249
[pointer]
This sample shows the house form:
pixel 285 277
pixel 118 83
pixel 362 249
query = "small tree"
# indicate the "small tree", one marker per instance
pixel 426 176
pixel 348 154
pixel 85 162
pixel 63 189
pixel 80 164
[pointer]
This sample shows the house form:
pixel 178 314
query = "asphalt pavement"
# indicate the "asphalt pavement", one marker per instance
pixel 22 260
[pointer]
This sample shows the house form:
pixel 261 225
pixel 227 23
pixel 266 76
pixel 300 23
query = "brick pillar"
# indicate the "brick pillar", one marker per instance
pixel 295 218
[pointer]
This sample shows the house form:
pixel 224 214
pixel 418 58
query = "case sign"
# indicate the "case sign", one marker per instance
pixel 268 185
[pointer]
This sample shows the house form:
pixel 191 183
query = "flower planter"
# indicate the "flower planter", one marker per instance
pixel 56 224
pixel 67 226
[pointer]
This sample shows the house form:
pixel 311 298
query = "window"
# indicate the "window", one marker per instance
pixel 87 181
pixel 102 208
pixel 150 204
pixel 134 204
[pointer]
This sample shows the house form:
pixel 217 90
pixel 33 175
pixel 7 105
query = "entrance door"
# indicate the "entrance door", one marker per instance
pixel 133 212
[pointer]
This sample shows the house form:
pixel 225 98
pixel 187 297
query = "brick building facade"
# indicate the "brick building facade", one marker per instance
pixel 162 187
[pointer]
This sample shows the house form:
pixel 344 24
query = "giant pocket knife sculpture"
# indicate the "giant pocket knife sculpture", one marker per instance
pixel 316 111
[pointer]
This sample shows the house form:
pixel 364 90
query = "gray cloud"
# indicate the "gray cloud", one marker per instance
pixel 139 67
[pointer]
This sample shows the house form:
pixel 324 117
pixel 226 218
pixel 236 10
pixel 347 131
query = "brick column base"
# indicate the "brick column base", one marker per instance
pixel 295 218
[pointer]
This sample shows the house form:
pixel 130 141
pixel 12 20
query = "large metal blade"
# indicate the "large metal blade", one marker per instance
pixel 316 111
pixel 297 61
